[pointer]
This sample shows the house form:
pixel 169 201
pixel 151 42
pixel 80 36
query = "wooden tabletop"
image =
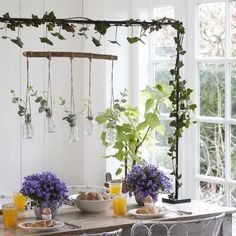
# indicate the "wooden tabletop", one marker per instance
pixel 106 221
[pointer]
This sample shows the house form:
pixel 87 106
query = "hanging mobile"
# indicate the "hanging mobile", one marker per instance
pixel 74 131
pixel 89 119
pixel 28 129
pixel 50 123
pixel 111 125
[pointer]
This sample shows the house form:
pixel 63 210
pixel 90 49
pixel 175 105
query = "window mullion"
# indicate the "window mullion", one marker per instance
pixel 227 102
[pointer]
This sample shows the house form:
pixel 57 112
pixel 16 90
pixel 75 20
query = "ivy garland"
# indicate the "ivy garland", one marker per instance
pixel 180 96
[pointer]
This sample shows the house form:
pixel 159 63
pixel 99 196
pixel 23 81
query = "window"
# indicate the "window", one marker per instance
pixel 214 62
pixel 162 51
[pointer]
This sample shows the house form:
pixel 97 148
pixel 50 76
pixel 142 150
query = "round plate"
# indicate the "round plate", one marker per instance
pixel 58 225
pixel 161 212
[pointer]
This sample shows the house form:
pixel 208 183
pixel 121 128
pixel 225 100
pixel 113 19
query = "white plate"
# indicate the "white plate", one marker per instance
pixel 161 212
pixel 58 225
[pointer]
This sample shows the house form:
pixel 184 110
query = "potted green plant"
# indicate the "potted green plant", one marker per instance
pixel 133 129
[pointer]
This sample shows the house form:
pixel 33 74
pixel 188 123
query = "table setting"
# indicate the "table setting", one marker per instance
pixel 45 205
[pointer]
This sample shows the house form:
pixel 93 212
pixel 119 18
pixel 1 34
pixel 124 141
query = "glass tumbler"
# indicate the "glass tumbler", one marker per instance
pixel 9 212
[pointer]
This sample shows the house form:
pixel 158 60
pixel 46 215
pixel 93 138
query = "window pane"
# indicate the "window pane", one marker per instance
pixel 212 193
pixel 212 149
pixel 164 42
pixel 163 76
pixel 162 147
pixel 212 89
pixel 233 28
pixel 233 152
pixel 233 90
pixel 211 21
pixel 233 196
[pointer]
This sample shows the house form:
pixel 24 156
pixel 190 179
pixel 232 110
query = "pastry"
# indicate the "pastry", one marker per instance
pixel 147 210
pixel 82 196
pixel 39 224
pixel 94 196
pixel 50 223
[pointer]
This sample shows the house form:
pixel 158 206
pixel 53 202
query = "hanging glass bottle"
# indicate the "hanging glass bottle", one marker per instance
pixel 111 134
pixel 74 130
pixel 111 131
pixel 28 129
pixel 89 120
pixel 50 122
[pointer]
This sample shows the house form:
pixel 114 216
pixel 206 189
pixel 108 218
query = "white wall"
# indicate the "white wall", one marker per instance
pixel 107 10
pixel 45 151
pixel 77 163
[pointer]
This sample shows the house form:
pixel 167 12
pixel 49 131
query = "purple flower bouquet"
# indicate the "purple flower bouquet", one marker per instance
pixel 45 190
pixel 144 180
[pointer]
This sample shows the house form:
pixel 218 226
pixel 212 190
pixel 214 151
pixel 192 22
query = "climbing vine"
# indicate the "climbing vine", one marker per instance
pixel 79 27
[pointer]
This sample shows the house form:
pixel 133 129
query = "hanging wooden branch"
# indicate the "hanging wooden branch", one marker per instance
pixel 70 54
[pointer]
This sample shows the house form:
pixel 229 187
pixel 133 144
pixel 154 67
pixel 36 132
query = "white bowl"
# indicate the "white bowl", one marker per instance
pixel 90 206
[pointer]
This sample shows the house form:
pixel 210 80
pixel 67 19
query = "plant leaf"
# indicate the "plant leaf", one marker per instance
pixel 118 171
pixel 46 40
pixel 18 42
pixel 152 120
pixel 96 42
pixel 149 104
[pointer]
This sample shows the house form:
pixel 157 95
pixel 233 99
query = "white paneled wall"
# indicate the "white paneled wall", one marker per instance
pixel 77 163
pixel 45 151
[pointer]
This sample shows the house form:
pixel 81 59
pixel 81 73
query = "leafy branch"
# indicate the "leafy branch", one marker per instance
pixel 132 133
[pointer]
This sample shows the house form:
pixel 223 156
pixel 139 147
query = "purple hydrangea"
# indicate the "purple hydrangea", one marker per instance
pixel 45 190
pixel 144 180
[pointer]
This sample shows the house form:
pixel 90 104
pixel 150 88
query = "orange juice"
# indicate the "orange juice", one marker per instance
pixel 119 204
pixel 9 213
pixel 115 188
pixel 20 201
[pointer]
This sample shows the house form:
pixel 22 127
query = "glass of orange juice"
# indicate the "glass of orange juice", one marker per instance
pixel 119 205
pixel 115 188
pixel 9 212
pixel 20 201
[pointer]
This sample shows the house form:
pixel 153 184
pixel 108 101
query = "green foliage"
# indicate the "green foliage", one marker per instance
pixel 133 129
pixel 71 118
pixel 22 106
pixel 179 97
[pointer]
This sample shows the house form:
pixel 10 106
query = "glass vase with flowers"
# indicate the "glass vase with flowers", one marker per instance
pixel 147 180
pixel 44 190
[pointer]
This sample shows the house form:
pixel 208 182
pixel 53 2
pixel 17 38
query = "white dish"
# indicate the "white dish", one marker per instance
pixel 161 212
pixel 93 207
pixel 58 225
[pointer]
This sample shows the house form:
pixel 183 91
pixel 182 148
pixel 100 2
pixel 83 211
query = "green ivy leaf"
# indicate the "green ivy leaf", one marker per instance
pixel 101 27
pixel 18 42
pixel 96 42
pixel 114 42
pixel 46 40
pixel 133 39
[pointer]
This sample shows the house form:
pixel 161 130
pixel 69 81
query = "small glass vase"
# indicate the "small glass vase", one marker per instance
pixel 28 131
pixel 139 200
pixel 74 134
pixel 111 135
pixel 88 125
pixel 50 125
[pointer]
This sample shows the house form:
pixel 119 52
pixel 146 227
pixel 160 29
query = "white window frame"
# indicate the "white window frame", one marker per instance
pixel 194 131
